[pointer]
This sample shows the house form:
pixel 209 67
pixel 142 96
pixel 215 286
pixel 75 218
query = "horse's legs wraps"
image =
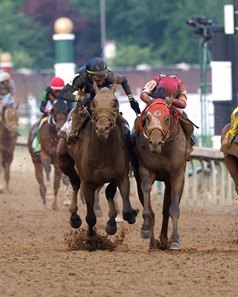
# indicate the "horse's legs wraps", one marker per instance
pixel 88 192
pixel 129 214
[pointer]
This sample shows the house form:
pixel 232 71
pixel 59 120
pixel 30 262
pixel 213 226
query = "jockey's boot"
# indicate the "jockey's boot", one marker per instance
pixel 78 119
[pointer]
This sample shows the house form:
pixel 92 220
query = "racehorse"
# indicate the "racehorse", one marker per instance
pixel 8 138
pixel 100 156
pixel 230 155
pixel 161 150
pixel 47 155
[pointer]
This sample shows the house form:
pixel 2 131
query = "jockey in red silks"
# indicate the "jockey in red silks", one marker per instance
pixel 49 95
pixel 167 86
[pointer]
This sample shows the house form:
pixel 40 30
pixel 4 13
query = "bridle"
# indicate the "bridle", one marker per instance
pixel 166 133
pixel 106 113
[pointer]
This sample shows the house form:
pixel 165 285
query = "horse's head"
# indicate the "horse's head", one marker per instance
pixel 155 124
pixel 105 108
pixel 59 113
pixel 10 119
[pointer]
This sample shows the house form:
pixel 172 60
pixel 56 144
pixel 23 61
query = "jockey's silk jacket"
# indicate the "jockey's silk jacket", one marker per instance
pixel 82 82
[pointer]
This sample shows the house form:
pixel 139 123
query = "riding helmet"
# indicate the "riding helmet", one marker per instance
pixel 57 83
pixel 4 76
pixel 96 66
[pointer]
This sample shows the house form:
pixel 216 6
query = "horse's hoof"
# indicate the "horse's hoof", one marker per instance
pixel 54 206
pixel 163 243
pixel 75 221
pixel 145 234
pixel 91 233
pixel 130 217
pixel 175 246
pixel 111 227
pixel 111 230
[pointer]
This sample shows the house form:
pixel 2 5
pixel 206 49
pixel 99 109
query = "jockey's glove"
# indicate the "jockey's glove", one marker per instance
pixel 46 111
pixel 134 105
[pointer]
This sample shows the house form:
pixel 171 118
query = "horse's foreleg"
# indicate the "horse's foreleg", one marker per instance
pixel 165 221
pixel 40 178
pixel 232 166
pixel 88 193
pixel 97 207
pixel 7 176
pixel 66 164
pixel 57 177
pixel 147 229
pixel 129 214
pixel 2 179
pixel 47 167
pixel 111 227
pixel 174 212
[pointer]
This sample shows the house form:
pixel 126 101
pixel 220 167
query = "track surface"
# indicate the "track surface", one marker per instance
pixel 35 259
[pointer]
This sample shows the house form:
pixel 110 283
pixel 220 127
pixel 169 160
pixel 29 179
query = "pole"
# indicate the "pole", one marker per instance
pixel 102 25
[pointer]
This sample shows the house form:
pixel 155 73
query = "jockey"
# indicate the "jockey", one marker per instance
pixel 94 70
pixel 50 93
pixel 232 133
pixel 7 90
pixel 48 96
pixel 169 85
pixel 162 86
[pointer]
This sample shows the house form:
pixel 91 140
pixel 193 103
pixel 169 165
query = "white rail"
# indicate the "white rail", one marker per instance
pixel 208 183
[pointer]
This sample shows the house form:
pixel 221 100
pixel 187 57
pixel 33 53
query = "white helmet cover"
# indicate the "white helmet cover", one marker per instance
pixel 4 76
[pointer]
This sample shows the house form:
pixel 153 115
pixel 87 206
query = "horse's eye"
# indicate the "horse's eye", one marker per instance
pixel 166 119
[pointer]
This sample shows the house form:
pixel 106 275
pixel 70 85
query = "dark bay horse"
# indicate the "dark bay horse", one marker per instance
pixel 162 149
pixel 8 138
pixel 99 156
pixel 230 156
pixel 48 140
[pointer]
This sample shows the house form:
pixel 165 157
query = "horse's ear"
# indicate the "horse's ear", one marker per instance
pixel 81 93
pixel 17 105
pixel 95 86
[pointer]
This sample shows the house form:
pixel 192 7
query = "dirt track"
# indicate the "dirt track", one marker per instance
pixel 35 259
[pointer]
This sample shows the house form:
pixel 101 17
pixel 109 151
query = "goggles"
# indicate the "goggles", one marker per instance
pixel 98 78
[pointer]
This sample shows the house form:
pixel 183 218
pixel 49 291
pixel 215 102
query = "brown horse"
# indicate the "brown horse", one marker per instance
pixel 47 155
pixel 8 138
pixel 98 157
pixel 162 149
pixel 230 156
